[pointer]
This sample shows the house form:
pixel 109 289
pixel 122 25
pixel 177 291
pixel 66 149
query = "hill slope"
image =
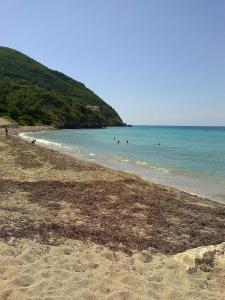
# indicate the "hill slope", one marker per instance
pixel 32 94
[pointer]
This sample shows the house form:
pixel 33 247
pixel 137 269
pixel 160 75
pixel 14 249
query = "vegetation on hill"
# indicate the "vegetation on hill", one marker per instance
pixel 32 94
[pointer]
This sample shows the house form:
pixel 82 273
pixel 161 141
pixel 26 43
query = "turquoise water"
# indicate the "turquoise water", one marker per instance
pixel 189 158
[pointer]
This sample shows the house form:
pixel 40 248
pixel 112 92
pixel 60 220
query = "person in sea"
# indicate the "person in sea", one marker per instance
pixel 118 142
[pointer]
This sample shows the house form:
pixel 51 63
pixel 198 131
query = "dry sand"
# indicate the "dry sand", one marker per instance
pixel 74 230
pixel 78 270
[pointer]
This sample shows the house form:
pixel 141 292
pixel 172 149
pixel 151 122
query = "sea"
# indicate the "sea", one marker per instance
pixel 189 158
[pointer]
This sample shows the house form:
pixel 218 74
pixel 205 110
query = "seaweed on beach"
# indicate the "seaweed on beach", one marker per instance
pixel 123 215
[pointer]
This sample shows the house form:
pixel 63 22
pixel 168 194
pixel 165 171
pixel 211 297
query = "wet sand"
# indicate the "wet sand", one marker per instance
pixel 72 229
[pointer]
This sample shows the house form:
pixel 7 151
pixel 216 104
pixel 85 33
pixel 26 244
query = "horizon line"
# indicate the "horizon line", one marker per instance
pixel 175 125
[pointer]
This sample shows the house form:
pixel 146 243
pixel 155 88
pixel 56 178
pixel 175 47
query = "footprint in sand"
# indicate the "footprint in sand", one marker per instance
pixel 7 252
pixel 23 281
pixel 78 267
pixel 50 260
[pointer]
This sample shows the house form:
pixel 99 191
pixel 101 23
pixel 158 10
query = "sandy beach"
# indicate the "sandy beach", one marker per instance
pixel 72 229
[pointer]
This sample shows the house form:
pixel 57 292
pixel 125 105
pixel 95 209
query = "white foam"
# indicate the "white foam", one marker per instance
pixel 24 136
pixel 141 162
pixel 159 169
pixel 41 141
pixel 67 147
pixel 92 154
pixel 164 170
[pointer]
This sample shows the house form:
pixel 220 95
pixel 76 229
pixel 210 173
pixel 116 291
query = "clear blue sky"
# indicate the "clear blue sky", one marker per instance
pixel 154 61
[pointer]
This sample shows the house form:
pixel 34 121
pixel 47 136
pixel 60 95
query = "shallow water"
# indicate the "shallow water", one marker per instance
pixel 188 158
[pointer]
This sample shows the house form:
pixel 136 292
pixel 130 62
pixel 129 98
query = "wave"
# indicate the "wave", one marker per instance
pixel 164 170
pixel 41 141
pixel 92 154
pixel 48 142
pixel 24 136
pixel 159 169
pixel 143 163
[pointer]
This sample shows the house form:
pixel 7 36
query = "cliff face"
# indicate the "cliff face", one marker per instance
pixel 32 94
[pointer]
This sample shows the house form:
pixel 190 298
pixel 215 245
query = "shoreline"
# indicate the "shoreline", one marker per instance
pixel 72 228
pixel 50 145
pixel 173 181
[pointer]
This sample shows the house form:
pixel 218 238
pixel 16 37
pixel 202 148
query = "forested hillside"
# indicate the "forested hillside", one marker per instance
pixel 32 94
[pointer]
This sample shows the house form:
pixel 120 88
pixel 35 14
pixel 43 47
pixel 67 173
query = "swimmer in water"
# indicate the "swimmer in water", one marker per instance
pixel 118 142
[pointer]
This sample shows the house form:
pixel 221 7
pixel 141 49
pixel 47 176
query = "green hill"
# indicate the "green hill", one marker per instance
pixel 32 94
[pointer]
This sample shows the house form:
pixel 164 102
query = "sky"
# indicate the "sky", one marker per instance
pixel 157 62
